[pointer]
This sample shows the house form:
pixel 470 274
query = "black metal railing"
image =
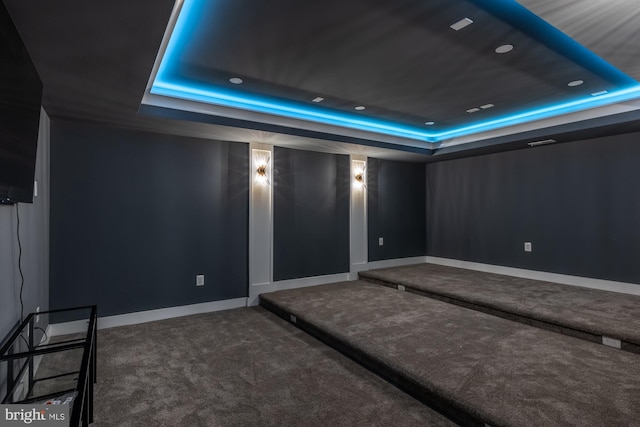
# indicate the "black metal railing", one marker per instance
pixel 21 362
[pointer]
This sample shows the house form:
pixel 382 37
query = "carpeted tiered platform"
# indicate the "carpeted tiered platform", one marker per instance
pixel 474 367
pixel 605 317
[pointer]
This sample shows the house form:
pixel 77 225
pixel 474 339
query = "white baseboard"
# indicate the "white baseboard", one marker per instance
pixel 66 328
pixel 148 316
pixel 256 290
pixel 386 263
pixel 398 262
pixel 585 282
pixel 357 268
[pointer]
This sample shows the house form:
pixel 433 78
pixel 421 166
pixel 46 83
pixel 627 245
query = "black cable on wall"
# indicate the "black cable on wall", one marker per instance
pixel 20 263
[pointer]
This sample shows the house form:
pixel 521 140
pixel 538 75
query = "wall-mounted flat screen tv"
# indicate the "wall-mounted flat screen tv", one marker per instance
pixel 20 100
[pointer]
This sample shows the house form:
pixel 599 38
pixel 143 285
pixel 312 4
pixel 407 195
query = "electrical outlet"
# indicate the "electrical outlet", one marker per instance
pixel 37 315
pixel 611 342
pixel 200 280
pixel 527 247
pixel 380 241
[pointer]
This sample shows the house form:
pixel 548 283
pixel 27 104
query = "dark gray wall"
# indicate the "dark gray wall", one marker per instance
pixel 310 214
pixel 578 203
pixel 34 237
pixel 136 216
pixel 396 200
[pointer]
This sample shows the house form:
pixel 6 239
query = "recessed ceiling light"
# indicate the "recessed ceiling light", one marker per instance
pixel 429 123
pixel 236 80
pixel 461 24
pixel 484 107
pixel 360 107
pixel 602 92
pixel 575 83
pixel 473 110
pixel 318 99
pixel 505 48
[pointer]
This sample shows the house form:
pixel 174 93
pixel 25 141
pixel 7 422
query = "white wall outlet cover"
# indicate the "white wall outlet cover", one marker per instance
pixel 200 280
pixel 611 342
pixel 380 241
pixel 527 247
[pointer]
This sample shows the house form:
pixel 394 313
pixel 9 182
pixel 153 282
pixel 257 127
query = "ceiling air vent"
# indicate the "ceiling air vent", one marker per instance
pixel 543 142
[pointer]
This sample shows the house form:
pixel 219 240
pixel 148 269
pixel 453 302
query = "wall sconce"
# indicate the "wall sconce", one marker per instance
pixel 359 176
pixel 262 176
pixel 261 160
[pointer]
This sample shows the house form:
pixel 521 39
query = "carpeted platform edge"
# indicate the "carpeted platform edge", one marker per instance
pixel 509 315
pixel 404 382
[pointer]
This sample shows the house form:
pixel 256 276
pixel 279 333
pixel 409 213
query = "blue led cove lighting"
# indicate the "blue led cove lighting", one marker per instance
pixel 169 83
pixel 260 104
pixel 543 113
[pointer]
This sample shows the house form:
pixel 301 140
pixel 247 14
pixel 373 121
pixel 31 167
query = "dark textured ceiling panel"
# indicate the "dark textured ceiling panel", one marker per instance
pixel 94 57
pixel 414 75
pixel 609 28
pixel 399 59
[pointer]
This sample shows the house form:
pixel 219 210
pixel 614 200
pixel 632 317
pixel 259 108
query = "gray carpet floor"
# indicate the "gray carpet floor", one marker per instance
pixel 501 372
pixel 242 367
pixel 593 311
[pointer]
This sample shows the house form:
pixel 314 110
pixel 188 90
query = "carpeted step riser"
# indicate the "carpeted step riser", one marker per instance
pixel 480 367
pixel 445 406
pixel 584 335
